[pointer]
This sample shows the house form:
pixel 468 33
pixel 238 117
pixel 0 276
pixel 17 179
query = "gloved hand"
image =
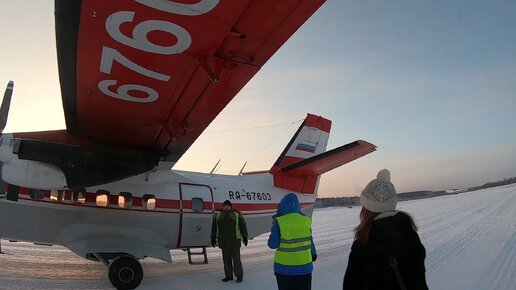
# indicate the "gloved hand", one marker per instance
pixel 314 258
pixel 213 242
pixel 244 239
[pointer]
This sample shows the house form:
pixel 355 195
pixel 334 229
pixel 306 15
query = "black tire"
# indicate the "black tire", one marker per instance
pixel 125 273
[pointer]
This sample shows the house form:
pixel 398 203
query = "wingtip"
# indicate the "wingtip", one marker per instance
pixel 367 144
pixel 10 85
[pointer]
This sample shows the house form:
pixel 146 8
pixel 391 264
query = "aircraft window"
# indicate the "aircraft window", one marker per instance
pixel 197 204
pixel 149 202
pixel 125 200
pixel 13 192
pixel 102 198
pixel 36 194
pixel 79 197
pixel 56 195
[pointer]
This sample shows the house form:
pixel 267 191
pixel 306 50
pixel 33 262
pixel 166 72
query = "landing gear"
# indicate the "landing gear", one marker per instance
pixel 124 271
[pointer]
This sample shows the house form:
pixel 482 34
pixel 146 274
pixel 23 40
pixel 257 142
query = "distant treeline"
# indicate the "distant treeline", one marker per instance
pixel 506 181
pixel 355 200
pixel 337 201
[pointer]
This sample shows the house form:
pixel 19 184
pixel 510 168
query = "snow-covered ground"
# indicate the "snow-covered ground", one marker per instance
pixel 470 240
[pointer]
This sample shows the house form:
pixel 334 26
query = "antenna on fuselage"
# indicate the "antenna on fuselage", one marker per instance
pixel 215 167
pixel 240 173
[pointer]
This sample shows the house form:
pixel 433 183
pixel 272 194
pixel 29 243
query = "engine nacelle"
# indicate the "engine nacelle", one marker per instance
pixel 33 174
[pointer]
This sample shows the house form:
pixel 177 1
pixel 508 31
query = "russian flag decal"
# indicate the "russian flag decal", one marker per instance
pixel 306 147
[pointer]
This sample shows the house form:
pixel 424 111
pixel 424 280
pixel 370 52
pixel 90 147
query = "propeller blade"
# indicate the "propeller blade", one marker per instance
pixel 6 103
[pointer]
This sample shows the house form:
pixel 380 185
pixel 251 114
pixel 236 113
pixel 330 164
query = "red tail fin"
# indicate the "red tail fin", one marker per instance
pixel 293 172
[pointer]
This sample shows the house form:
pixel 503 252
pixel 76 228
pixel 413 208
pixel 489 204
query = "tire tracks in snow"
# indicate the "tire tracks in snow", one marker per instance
pixel 438 257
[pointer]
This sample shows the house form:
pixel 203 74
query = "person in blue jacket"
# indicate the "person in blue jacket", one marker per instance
pixel 291 236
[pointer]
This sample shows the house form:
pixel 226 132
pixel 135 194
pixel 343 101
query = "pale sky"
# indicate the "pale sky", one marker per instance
pixel 431 83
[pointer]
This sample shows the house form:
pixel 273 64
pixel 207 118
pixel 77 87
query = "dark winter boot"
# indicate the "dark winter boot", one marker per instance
pixel 227 279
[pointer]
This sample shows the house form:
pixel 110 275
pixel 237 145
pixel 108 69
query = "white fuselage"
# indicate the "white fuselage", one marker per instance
pixel 145 215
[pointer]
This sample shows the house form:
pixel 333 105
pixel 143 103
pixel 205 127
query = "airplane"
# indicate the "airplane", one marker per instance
pixel 140 81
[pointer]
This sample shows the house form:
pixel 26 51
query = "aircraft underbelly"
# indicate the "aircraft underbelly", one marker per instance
pixel 89 230
pixel 26 223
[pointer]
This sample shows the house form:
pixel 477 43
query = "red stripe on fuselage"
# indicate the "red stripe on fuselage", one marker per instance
pixel 161 204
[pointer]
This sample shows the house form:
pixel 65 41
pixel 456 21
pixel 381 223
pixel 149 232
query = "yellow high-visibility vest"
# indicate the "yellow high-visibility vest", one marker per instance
pixel 237 228
pixel 295 247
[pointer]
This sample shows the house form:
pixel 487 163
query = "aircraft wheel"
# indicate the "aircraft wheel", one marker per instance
pixel 125 273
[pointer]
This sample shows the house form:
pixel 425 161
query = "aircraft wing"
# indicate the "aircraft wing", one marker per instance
pixel 153 74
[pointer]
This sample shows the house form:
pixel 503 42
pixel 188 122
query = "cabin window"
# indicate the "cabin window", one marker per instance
pixel 56 195
pixel 79 197
pixel 125 200
pixel 149 201
pixel 197 204
pixel 36 194
pixel 102 198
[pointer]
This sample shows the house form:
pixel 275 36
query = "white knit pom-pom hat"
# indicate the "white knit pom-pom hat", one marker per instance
pixel 379 195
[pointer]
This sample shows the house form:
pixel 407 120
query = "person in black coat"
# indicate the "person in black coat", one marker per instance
pixel 387 253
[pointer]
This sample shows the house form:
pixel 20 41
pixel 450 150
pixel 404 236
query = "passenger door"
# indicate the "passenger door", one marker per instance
pixel 197 209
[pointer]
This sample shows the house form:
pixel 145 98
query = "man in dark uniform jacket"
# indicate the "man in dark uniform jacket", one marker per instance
pixel 229 231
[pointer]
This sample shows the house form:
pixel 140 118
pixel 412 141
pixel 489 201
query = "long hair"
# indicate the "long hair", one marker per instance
pixel 366 222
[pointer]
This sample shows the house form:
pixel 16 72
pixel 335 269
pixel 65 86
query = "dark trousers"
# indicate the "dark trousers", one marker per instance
pixel 294 282
pixel 231 258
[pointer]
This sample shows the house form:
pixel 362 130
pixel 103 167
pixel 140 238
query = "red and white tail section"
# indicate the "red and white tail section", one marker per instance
pixel 310 140
pixel 305 158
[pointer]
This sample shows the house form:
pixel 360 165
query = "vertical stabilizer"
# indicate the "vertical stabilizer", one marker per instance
pixel 310 140
pixel 305 158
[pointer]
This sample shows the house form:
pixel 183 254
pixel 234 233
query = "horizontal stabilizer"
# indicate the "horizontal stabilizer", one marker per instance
pixel 329 160
pixel 305 158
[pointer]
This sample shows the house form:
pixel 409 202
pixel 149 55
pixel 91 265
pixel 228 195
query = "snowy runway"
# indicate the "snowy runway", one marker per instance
pixel 470 240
